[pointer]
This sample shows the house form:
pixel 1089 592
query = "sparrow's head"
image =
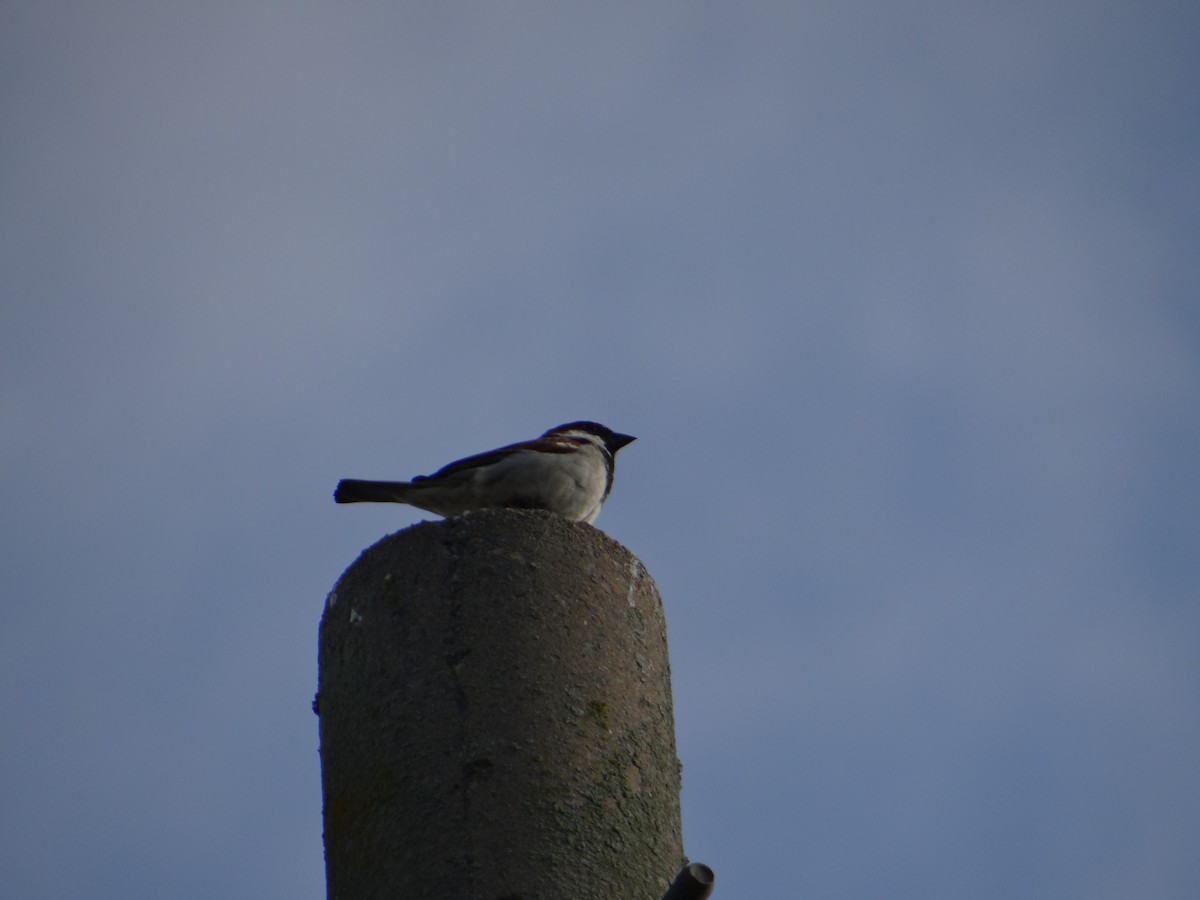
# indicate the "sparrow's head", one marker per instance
pixel 595 432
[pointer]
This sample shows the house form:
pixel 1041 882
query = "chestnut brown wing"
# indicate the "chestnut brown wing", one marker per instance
pixel 541 445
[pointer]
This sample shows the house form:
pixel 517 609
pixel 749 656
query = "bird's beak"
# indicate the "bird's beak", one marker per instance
pixel 617 441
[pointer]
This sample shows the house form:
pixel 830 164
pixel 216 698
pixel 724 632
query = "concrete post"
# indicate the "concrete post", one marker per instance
pixel 496 720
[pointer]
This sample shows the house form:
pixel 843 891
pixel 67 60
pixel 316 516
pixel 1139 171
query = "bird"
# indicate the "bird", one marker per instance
pixel 568 471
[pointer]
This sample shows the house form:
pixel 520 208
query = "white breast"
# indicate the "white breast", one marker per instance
pixel 570 484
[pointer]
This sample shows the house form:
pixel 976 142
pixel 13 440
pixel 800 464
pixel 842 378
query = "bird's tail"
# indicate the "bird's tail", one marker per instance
pixel 351 490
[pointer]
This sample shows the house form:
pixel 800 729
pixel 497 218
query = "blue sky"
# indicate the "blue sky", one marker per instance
pixel 901 301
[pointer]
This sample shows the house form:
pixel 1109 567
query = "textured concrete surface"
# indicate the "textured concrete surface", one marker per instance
pixel 496 717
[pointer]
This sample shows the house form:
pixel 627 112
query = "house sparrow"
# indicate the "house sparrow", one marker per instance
pixel 568 470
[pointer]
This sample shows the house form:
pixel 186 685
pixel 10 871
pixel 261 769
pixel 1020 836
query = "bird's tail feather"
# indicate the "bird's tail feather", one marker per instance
pixel 351 490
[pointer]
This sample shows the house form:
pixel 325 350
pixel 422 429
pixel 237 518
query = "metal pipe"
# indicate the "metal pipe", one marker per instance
pixel 694 882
